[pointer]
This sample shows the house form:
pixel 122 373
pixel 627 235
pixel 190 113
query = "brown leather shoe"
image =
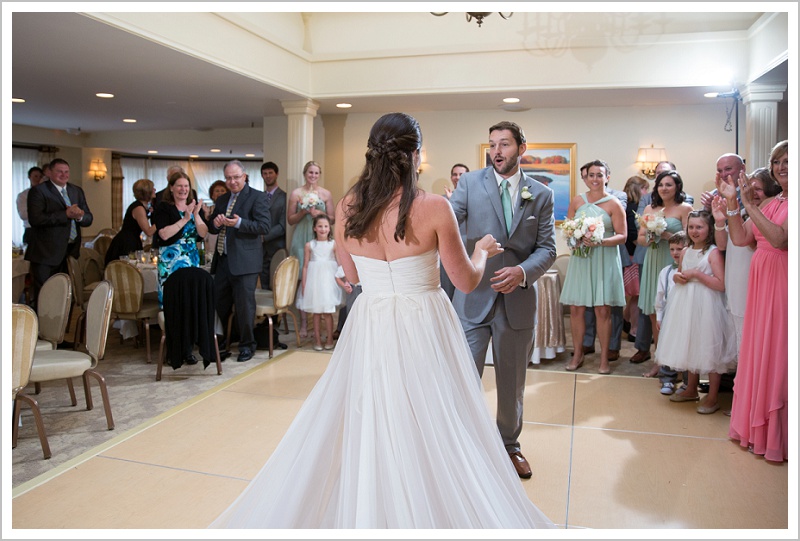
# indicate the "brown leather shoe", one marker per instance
pixel 613 354
pixel 588 349
pixel 640 356
pixel 520 464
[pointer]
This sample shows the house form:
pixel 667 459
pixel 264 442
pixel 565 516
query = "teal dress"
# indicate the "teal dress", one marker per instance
pixel 595 280
pixel 654 260
pixel 181 253
pixel 303 232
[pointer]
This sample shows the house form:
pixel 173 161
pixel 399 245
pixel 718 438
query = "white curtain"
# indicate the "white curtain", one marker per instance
pixel 202 173
pixel 132 170
pixel 22 159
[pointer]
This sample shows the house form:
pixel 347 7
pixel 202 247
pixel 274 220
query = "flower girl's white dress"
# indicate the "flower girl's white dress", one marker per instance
pixel 396 433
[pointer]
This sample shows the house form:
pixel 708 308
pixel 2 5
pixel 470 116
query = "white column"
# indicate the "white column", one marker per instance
pixel 761 122
pixel 300 115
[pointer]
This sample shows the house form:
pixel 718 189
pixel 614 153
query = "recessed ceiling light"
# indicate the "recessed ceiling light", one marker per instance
pixel 344 105
pixel 193 156
pixel 215 150
pixel 129 120
pixel 104 95
pixel 510 100
pixel 17 100
pixel 152 152
pixel 249 155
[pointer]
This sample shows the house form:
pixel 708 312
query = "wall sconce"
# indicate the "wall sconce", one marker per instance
pixel 648 158
pixel 98 169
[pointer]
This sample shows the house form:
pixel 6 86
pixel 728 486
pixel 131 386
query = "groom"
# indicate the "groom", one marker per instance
pixel 518 211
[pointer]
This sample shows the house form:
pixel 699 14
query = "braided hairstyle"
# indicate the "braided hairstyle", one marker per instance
pixel 389 166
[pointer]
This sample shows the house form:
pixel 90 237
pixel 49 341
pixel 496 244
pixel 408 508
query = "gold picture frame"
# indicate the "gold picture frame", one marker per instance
pixel 552 164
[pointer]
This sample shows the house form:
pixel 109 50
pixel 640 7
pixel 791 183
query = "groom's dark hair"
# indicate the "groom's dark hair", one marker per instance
pixel 519 135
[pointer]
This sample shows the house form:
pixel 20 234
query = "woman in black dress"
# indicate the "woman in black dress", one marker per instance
pixel 135 222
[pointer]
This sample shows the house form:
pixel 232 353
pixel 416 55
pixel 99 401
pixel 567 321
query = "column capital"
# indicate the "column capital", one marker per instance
pixel 762 92
pixel 300 107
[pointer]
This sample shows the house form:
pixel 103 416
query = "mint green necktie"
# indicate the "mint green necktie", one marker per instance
pixel 505 198
pixel 73 229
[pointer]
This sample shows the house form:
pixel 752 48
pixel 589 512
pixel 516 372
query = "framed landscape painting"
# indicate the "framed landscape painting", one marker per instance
pixel 552 164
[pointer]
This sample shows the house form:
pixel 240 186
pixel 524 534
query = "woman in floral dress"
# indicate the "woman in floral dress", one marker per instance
pixel 179 225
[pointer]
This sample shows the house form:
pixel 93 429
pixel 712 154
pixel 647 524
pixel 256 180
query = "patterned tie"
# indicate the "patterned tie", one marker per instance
pixel 505 198
pixel 269 198
pixel 228 212
pixel 73 229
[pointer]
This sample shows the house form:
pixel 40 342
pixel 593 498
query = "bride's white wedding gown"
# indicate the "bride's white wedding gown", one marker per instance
pixel 396 433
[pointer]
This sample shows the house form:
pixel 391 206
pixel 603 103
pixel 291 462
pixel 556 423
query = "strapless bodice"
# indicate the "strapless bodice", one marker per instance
pixel 405 276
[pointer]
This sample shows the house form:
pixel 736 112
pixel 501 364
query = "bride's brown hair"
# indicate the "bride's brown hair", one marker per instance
pixel 389 167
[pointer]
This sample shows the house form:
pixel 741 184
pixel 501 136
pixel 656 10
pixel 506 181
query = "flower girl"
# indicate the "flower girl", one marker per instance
pixel 697 333
pixel 320 294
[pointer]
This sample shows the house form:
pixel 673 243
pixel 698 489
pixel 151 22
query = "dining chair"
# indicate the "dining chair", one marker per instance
pixel 60 364
pixel 92 266
pixel 560 264
pixel 53 311
pixel 81 297
pixel 188 318
pixel 24 332
pixel 129 301
pixel 102 243
pixel 263 294
pixel 283 292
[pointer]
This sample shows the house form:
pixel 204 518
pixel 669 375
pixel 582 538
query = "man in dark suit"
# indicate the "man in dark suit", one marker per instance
pixel 276 201
pixel 57 211
pixel 276 238
pixel 240 218
pixel 518 211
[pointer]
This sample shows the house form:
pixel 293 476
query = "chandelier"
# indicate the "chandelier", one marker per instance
pixel 477 16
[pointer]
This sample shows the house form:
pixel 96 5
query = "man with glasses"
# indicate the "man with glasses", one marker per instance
pixel 240 218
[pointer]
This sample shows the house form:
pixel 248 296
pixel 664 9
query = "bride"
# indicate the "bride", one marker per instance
pixel 396 433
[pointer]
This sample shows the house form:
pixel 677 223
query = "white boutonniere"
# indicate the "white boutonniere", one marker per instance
pixel 526 195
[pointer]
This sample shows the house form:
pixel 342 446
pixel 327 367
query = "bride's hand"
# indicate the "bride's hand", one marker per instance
pixel 489 244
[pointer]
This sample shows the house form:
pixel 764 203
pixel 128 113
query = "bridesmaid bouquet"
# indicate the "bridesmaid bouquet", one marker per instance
pixel 309 200
pixel 580 227
pixel 654 225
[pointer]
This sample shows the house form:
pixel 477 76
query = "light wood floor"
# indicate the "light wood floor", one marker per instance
pixel 608 452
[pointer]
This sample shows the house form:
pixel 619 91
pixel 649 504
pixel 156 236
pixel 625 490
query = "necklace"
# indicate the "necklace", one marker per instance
pixel 781 197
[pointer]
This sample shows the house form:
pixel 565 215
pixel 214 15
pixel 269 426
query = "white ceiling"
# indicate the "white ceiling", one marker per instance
pixel 60 60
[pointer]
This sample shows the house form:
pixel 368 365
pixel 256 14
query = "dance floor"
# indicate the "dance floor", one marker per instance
pixel 608 452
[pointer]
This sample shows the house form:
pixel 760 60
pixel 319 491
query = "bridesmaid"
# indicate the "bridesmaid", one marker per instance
pixel 302 216
pixel 596 280
pixel 667 197
pixel 760 411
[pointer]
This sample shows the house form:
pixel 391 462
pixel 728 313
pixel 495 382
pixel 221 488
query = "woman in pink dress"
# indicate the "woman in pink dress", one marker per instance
pixel 759 416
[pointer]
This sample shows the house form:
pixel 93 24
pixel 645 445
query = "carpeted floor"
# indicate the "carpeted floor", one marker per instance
pixel 136 397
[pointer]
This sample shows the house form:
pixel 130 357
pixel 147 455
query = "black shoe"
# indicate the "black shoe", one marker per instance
pixel 224 355
pixel 631 338
pixel 190 359
pixel 281 345
pixel 244 355
pixel 626 327
pixel 222 344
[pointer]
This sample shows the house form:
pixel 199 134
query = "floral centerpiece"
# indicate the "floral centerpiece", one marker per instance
pixel 582 227
pixel 309 200
pixel 654 225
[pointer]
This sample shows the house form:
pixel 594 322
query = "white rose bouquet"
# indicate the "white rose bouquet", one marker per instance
pixel 654 225
pixel 582 227
pixel 309 200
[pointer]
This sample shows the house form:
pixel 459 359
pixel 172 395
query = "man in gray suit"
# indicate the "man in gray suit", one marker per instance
pixel 240 218
pixel 518 211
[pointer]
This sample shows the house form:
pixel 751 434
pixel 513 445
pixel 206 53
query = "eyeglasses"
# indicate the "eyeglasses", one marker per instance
pixel 234 177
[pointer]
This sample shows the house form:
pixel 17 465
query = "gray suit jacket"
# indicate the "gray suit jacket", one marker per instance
pixel 245 254
pixel 275 239
pixel 531 243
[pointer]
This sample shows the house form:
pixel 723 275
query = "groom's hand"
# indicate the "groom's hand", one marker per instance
pixel 507 279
